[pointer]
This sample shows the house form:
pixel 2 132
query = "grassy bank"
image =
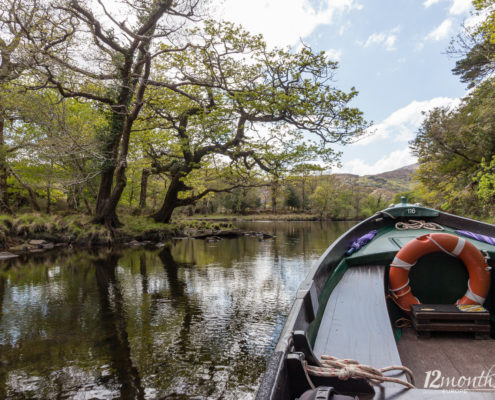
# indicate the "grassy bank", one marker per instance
pixel 256 217
pixel 268 217
pixel 16 231
pixel 77 229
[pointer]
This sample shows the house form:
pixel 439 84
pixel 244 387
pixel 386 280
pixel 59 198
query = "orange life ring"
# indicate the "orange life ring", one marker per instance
pixel 479 275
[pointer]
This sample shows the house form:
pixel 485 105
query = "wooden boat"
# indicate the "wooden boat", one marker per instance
pixel 344 309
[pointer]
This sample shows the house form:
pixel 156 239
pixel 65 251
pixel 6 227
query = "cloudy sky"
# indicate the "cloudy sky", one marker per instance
pixel 392 51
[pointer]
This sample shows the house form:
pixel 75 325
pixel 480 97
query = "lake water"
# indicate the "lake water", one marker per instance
pixel 195 320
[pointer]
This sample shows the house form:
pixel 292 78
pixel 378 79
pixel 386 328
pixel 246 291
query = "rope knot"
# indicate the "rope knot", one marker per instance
pixel 347 372
pixel 345 368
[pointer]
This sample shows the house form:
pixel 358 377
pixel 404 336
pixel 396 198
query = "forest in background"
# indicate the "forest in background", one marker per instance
pixel 152 107
pixel 456 147
pixel 167 113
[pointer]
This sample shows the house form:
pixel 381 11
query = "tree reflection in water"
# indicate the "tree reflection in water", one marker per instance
pixel 3 353
pixel 113 321
pixel 193 320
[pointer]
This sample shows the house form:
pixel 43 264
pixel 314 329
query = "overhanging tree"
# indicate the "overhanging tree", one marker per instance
pixel 451 146
pixel 476 46
pixel 85 51
pixel 17 18
pixel 264 110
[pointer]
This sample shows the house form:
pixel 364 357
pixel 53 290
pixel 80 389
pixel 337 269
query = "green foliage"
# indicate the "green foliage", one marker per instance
pixel 486 181
pixel 243 115
pixel 291 198
pixel 412 197
pixel 451 146
pixel 331 200
pixel 476 45
pixel 238 201
pixel 250 111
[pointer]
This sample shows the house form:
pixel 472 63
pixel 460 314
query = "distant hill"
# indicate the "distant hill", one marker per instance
pixel 387 184
pixel 400 173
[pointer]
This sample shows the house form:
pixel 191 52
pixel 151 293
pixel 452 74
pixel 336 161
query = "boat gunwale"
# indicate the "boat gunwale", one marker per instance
pixel 322 269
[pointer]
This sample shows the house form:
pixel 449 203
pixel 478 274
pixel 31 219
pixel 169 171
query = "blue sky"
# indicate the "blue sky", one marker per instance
pixel 392 51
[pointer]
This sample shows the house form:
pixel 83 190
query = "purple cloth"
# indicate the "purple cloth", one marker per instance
pixel 360 242
pixel 477 236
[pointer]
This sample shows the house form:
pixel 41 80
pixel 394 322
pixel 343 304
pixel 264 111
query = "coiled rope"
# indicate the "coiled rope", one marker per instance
pixel 333 367
pixel 418 224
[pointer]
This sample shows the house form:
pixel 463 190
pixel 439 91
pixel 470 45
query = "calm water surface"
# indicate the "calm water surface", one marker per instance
pixel 197 320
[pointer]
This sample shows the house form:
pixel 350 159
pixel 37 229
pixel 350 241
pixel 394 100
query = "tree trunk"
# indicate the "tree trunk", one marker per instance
pixel 144 188
pixel 131 195
pixel 105 210
pixel 4 194
pixel 48 189
pixel 274 196
pixel 102 214
pixel 48 198
pixel 86 203
pixel 32 196
pixel 303 194
pixel 122 121
pixel 164 214
pixel 71 198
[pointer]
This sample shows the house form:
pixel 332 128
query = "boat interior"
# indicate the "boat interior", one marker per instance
pixel 361 322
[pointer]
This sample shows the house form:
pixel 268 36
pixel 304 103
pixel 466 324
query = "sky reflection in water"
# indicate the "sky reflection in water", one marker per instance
pixel 196 320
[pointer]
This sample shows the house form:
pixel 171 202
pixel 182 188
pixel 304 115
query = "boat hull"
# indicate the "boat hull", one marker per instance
pixel 282 379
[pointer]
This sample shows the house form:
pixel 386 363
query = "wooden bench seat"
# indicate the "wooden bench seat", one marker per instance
pixel 356 323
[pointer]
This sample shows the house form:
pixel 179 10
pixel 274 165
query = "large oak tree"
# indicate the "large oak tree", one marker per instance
pixel 87 51
pixel 260 110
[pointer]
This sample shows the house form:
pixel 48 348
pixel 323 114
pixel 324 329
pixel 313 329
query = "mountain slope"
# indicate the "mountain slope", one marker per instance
pixel 387 184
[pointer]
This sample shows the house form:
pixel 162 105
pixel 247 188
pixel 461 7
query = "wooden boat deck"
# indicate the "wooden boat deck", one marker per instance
pixel 454 355
pixel 355 323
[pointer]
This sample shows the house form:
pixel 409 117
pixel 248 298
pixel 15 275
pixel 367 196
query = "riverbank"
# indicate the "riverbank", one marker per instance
pixel 258 217
pixel 34 233
pixel 171 313
pixel 17 232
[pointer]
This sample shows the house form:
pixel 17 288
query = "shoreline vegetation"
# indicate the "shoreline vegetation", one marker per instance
pixel 29 233
pixel 173 131
pixel 35 233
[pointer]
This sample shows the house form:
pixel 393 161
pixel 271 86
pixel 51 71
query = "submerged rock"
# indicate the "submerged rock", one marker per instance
pixel 23 247
pixel 5 255
pixel 38 242
pixel 135 243
pixel 230 233
pixel 213 239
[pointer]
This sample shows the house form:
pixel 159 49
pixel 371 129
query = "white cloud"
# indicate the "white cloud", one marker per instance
pixel 334 54
pixel 344 26
pixel 418 47
pixel 442 31
pixel 394 160
pixel 283 22
pixel 458 7
pixel 387 39
pixel 403 123
pixel 476 18
pixel 429 3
